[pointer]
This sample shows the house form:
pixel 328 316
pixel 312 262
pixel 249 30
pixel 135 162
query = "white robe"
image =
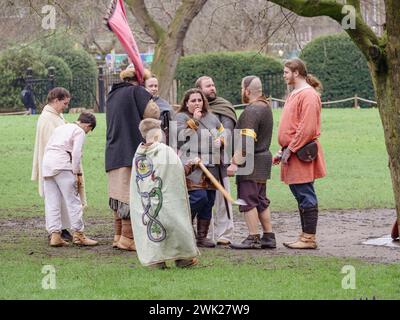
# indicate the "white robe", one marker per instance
pixel 158 184
pixel 48 120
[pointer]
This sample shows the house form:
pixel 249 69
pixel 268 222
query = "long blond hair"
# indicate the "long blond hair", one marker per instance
pixel 297 64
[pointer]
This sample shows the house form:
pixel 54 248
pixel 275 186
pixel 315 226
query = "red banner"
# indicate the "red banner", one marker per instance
pixel 118 23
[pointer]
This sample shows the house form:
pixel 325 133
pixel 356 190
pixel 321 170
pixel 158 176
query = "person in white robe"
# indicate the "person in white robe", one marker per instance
pixel 159 203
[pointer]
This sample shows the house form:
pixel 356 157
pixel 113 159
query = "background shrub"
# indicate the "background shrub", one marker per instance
pixel 341 67
pixel 13 65
pixel 75 69
pixel 63 74
pixel 84 75
pixel 82 66
pixel 227 70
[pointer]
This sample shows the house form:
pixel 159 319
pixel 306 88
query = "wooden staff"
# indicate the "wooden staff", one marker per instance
pixel 216 183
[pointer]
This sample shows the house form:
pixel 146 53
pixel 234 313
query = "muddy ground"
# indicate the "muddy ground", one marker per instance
pixel 340 234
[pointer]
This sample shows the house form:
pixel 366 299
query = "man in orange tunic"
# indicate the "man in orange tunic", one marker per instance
pixel 300 124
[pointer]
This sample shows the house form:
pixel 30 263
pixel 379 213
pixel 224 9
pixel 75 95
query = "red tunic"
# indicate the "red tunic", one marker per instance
pixel 300 123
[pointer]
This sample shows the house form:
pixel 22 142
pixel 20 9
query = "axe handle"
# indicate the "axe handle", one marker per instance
pixel 215 182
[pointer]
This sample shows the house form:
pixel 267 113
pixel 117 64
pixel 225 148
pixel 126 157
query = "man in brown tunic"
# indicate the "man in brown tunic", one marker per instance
pixel 255 125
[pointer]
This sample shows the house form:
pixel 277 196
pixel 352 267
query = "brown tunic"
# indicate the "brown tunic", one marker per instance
pixel 257 116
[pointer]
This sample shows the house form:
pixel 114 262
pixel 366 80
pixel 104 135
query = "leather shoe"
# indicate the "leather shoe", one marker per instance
pixel 251 242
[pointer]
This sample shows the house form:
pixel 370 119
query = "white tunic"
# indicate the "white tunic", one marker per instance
pixel 64 150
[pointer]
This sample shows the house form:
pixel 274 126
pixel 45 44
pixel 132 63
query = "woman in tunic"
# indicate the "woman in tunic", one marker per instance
pixel 199 134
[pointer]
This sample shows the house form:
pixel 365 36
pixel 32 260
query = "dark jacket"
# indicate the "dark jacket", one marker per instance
pixel 28 99
pixel 124 111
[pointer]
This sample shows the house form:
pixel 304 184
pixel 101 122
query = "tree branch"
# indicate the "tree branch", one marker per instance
pixel 184 16
pixel 148 24
pixel 362 35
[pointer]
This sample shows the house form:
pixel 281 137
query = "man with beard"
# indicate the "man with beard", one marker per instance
pixel 299 129
pixel 222 226
pixel 127 104
pixel 255 125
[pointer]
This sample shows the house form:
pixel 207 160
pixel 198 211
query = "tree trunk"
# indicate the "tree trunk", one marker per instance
pixel 388 95
pixel 166 57
pixel 389 110
pixel 170 47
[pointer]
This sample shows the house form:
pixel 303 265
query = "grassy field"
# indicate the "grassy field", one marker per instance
pixel 84 274
pixel 358 177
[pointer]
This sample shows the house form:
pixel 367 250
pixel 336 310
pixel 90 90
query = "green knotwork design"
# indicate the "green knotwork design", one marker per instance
pixel 144 170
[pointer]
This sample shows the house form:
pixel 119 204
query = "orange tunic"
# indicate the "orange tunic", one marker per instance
pixel 300 123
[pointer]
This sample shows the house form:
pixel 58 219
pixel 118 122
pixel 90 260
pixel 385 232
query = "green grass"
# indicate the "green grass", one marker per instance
pixel 358 177
pixel 91 274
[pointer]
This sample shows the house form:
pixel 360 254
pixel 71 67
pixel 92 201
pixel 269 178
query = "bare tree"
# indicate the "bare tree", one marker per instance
pixel 169 40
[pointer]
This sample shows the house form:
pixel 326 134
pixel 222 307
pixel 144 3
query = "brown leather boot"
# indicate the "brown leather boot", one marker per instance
pixel 202 231
pixel 287 243
pixel 309 220
pixel 126 241
pixel 81 240
pixel 306 241
pixel 56 241
pixel 117 229
pixel 301 211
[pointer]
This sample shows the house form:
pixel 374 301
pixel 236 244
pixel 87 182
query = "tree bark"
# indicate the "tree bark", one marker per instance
pixel 388 94
pixel 383 56
pixel 169 46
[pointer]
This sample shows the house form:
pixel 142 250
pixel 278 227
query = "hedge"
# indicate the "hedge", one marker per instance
pixel 340 66
pixel 81 64
pixel 13 65
pixel 84 73
pixel 63 73
pixel 227 70
pixel 75 70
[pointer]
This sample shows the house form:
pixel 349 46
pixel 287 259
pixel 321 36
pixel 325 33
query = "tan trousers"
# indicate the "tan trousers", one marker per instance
pixel 58 189
pixel 221 227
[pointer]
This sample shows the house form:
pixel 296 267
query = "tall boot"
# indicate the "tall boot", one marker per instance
pixel 307 239
pixel 301 213
pixel 202 231
pixel 126 241
pixel 117 229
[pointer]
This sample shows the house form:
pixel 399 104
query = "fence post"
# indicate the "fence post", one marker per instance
pixel 101 92
pixel 356 106
pixel 51 77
